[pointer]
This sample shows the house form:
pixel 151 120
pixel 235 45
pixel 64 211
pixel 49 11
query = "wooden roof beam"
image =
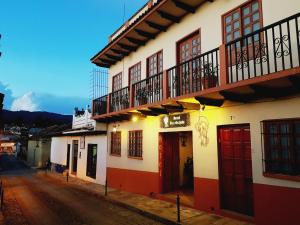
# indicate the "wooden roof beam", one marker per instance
pixel 113 57
pixel 273 92
pixel 295 80
pixel 107 61
pixel 173 108
pixel 168 16
pixel 235 97
pixel 158 110
pixel 189 105
pixel 210 101
pixel 120 52
pixel 127 47
pixel 148 112
pixel 156 26
pixel 136 41
pixel 184 6
pixel 144 34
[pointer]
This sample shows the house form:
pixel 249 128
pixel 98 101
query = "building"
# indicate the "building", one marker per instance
pixel 39 144
pixel 81 150
pixel 204 101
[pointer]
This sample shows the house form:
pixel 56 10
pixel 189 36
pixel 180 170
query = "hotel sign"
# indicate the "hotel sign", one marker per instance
pixel 172 121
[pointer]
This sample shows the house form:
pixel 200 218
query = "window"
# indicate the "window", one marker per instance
pixel 242 21
pixel 190 47
pixel 134 74
pixel 155 64
pixel 282 146
pixel 91 161
pixel 115 145
pixel 117 82
pixel 135 148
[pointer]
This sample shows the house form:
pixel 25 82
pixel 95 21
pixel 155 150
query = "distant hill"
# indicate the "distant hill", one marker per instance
pixel 34 119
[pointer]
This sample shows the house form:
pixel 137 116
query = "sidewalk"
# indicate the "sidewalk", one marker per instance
pixel 161 211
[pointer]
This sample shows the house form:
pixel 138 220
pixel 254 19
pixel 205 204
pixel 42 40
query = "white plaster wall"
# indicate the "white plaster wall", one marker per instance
pixel 206 158
pixel 58 154
pixel 208 19
pixel 101 142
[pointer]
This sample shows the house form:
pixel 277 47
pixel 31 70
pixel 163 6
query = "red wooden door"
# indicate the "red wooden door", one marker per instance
pixel 169 162
pixel 236 169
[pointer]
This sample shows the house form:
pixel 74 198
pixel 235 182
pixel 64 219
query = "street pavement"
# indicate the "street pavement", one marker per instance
pixel 30 199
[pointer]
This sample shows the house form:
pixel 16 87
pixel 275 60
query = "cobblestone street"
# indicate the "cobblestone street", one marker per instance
pixel 37 200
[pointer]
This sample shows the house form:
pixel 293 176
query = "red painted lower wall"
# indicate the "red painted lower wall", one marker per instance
pixel 139 182
pixel 206 194
pixel 275 205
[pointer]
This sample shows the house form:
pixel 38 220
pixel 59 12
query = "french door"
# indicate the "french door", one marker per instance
pixel 188 49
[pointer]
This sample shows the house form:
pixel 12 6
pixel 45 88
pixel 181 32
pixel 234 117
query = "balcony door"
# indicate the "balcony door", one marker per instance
pixel 187 49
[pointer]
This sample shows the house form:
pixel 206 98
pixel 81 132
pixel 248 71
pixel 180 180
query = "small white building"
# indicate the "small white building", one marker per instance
pixel 82 150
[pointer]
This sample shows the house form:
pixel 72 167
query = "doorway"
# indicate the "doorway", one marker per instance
pixel 75 156
pixel 235 169
pixel 91 166
pixel 68 155
pixel 176 164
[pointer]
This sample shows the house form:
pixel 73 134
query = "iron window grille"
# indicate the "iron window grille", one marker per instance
pixel 281 146
pixel 135 147
pixel 115 146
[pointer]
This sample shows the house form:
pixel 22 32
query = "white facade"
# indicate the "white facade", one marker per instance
pixel 84 129
pixel 207 19
pixel 59 147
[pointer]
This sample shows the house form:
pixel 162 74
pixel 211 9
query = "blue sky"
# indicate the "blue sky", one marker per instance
pixel 46 46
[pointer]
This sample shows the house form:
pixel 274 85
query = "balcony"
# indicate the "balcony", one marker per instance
pixel 261 65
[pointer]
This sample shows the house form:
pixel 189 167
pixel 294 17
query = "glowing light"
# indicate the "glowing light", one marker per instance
pixel 134 118
pixel 202 107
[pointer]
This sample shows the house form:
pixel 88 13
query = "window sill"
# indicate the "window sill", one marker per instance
pixel 132 157
pixel 115 155
pixel 282 176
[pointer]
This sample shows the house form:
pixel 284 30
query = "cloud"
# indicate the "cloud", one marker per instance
pixel 25 102
pixel 32 101
pixel 60 104
pixel 8 98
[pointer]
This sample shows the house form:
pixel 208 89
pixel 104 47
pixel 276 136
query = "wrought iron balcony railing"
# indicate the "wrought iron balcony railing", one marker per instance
pixel 119 100
pixel 271 49
pixel 194 75
pixel 148 91
pixel 100 105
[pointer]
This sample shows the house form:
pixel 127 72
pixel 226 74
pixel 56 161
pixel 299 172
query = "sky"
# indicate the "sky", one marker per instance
pixel 46 48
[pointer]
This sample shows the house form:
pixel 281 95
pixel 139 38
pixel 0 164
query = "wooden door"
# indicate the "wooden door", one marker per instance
pixel 169 161
pixel 188 49
pixel 235 169
pixel 91 165
pixel 68 155
pixel 75 156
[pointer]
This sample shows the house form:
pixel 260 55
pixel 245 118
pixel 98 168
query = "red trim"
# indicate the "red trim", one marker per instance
pixel 140 182
pixel 276 205
pixel 282 177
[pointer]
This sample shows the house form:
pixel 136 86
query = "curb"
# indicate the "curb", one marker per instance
pixel 142 212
